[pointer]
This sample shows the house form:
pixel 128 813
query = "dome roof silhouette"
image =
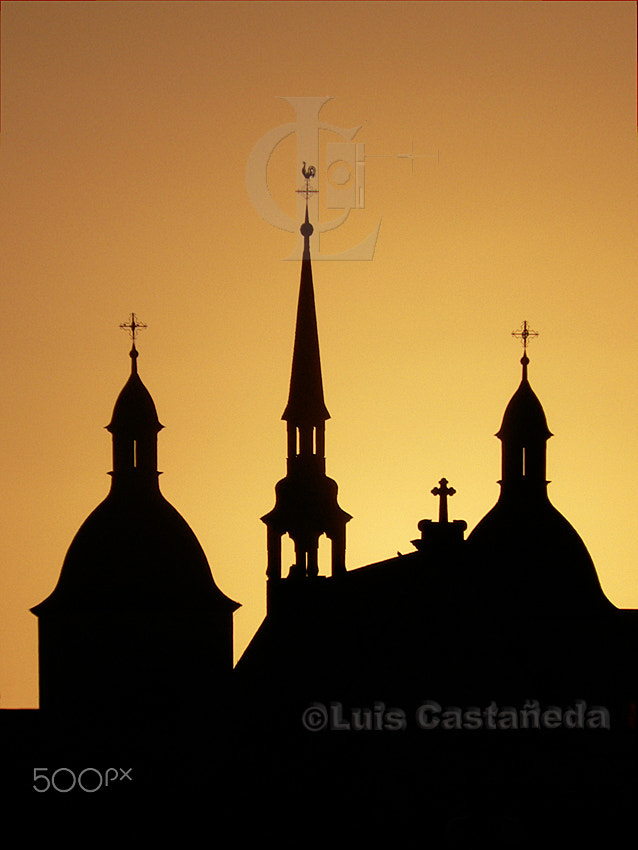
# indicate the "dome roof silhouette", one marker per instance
pixel 136 554
pixel 529 555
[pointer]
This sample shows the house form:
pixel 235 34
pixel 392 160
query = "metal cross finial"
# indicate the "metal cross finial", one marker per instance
pixel 308 172
pixel 443 491
pixel 133 327
pixel 524 333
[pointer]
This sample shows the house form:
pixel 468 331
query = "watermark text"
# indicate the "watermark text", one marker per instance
pixel 335 717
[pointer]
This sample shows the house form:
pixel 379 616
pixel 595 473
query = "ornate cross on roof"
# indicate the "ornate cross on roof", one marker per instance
pixel 524 333
pixel 133 327
pixel 443 491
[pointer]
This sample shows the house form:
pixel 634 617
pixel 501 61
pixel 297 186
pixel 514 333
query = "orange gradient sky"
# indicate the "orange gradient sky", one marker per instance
pixel 126 133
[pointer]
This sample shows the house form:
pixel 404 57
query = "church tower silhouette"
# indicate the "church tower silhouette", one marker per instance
pixel 306 499
pixel 136 624
pixel 530 556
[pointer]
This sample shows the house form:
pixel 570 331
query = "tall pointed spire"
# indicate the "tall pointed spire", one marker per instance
pixel 305 400
pixel 306 499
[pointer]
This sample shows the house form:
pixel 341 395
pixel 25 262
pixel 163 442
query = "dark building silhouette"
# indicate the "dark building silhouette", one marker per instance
pixel 136 625
pixel 470 690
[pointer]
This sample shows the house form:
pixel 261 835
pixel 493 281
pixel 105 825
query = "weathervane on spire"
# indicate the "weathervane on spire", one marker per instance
pixel 524 333
pixel 133 326
pixel 308 171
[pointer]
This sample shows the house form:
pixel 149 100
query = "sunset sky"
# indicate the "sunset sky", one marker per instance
pixel 127 131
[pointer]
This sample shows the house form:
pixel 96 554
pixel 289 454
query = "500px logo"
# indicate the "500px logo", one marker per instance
pixel 90 779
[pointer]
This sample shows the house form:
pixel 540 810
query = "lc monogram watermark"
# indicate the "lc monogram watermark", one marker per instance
pixel 342 178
